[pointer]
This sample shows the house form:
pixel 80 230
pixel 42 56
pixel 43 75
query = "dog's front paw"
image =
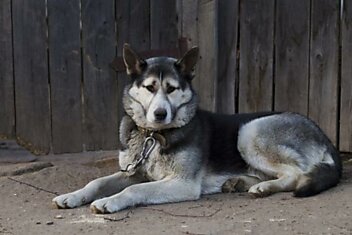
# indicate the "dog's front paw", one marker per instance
pixel 105 206
pixel 262 189
pixel 69 200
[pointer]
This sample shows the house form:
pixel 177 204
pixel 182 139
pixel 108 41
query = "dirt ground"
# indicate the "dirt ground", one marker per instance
pixel 28 184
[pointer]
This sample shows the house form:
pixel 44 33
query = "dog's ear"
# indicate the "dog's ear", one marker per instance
pixel 134 64
pixel 187 63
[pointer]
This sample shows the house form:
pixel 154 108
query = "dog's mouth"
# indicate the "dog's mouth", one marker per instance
pixel 160 123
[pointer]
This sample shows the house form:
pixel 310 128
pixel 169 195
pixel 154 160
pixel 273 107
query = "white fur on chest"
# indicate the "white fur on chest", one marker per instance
pixel 155 167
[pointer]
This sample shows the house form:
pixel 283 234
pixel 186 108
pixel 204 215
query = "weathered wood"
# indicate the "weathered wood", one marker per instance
pixel 346 80
pixel 292 56
pixel 323 88
pixel 133 26
pixel 7 108
pixel 207 36
pixel 31 75
pixel 65 75
pixel 163 24
pixel 187 11
pixel 227 55
pixel 306 63
pixel 256 55
pixel 100 85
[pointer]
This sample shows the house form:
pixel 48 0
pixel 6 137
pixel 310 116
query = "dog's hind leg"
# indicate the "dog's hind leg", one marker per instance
pixel 276 166
pixel 264 154
pixel 287 178
pixel 96 189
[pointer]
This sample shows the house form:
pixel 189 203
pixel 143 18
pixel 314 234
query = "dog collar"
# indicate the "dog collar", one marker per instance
pixel 156 134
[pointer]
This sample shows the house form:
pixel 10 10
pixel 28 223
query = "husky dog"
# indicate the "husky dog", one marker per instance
pixel 175 152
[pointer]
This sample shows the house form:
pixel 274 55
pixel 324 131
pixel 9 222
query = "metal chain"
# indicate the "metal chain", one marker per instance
pixel 148 146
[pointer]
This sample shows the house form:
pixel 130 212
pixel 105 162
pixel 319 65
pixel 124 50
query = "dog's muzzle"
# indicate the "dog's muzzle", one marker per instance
pixel 160 114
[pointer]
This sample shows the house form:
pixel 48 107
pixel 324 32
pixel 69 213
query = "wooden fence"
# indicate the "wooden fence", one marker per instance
pixel 59 94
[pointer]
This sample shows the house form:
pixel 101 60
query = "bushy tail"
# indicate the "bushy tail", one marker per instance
pixel 322 177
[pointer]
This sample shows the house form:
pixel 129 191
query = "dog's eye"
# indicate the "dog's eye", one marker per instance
pixel 170 89
pixel 150 88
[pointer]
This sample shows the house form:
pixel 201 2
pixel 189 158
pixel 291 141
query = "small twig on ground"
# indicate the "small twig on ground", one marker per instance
pixel 119 219
pixel 183 215
pixel 190 233
pixel 33 186
pixel 196 206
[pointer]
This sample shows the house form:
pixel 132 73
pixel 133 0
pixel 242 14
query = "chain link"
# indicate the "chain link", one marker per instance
pixel 148 146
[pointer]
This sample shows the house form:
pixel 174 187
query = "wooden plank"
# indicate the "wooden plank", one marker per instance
pixel 163 24
pixel 323 88
pixel 256 55
pixel 207 36
pixel 292 56
pixel 31 75
pixel 100 85
pixel 133 26
pixel 227 57
pixel 346 81
pixel 187 11
pixel 65 75
pixel 7 110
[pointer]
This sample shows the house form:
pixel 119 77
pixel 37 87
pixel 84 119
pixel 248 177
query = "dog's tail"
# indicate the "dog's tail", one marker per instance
pixel 323 176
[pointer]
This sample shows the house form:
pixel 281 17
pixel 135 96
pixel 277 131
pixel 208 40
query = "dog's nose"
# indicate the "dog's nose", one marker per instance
pixel 160 114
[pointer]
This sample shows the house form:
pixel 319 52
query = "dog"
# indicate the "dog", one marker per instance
pixel 173 151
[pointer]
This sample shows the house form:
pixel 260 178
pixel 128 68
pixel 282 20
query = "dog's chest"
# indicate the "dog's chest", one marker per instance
pixel 155 166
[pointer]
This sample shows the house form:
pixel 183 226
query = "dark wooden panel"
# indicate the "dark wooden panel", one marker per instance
pixel 207 36
pixel 346 80
pixel 292 56
pixel 187 11
pixel 324 65
pixel 100 85
pixel 31 75
pixel 133 26
pixel 65 75
pixel 7 111
pixel 227 55
pixel 163 24
pixel 256 55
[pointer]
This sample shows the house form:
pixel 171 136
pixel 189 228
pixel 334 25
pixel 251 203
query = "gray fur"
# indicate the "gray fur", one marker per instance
pixel 204 153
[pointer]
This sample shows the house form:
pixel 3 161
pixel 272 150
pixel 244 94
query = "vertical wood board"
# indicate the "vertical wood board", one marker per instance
pixel 65 75
pixel 7 110
pixel 100 85
pixel 207 65
pixel 323 87
pixel 227 55
pixel 163 24
pixel 346 80
pixel 256 55
pixel 31 75
pixel 292 56
pixel 187 11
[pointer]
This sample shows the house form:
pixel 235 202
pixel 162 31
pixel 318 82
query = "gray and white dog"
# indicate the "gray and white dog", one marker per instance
pixel 175 152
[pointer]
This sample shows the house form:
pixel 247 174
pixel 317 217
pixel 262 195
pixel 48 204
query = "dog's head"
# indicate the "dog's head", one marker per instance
pixel 160 95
